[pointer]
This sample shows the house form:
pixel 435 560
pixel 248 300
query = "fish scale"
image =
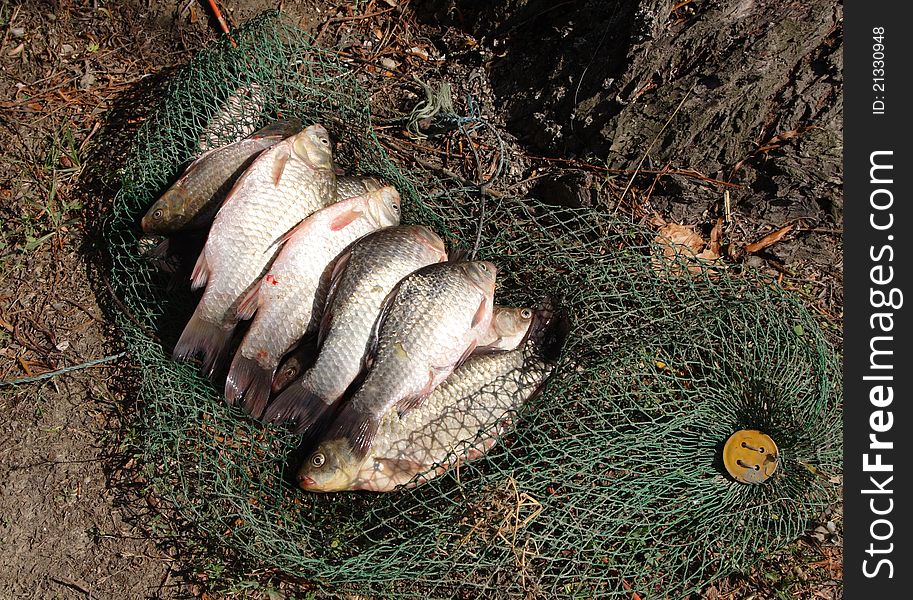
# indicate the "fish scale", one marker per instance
pixel 284 185
pixel 192 201
pixel 430 323
pixel 404 339
pixel 447 426
pixel 290 296
pixel 246 233
pixel 372 268
pixel 460 420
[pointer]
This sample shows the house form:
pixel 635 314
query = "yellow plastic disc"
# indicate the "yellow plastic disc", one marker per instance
pixel 750 456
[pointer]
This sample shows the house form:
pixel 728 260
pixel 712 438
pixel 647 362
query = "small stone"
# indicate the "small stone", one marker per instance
pixel 67 49
pixel 63 345
pixel 17 32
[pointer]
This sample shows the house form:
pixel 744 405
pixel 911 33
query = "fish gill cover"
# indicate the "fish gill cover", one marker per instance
pixel 612 480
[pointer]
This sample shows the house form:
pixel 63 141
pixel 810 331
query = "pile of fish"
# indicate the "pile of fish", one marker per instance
pixel 397 362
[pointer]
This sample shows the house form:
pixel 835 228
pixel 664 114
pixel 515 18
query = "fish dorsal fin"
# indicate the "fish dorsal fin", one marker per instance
pixel 281 129
pixel 339 267
pixel 458 254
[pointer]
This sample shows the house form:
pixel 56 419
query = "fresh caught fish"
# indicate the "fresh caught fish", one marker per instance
pixel 236 118
pixel 348 186
pixel 509 327
pixel 192 201
pixel 428 325
pixel 364 275
pixel 460 420
pixel 284 185
pixel 289 297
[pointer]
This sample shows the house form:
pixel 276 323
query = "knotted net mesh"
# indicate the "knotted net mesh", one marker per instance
pixel 611 480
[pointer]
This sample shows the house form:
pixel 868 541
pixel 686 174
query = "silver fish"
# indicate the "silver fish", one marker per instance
pixel 288 298
pixel 428 325
pixel 192 201
pixel 284 185
pixel 461 420
pixel 236 118
pixel 364 275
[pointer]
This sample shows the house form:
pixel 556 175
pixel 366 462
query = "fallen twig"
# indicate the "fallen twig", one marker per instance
pixel 62 371
pixel 768 240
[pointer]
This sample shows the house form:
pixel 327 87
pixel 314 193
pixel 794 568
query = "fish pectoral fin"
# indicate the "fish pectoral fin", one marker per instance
pixel 345 219
pixel 483 312
pixel 289 234
pixel 250 302
pixel 466 354
pixel 282 156
pixel 435 377
pixel 200 274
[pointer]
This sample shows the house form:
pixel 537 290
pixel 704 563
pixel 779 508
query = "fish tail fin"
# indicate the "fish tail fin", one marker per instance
pixel 210 340
pixel 357 428
pixel 298 403
pixel 249 380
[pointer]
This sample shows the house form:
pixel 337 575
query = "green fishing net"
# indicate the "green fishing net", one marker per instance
pixel 612 479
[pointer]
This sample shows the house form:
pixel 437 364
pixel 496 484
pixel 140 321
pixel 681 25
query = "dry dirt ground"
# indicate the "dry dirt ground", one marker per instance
pixel 75 519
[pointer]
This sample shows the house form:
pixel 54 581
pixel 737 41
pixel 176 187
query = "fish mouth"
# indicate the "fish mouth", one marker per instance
pixel 305 482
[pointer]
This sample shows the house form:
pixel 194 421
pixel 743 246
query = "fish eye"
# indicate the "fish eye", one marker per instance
pixel 324 141
pixel 158 214
pixel 484 267
pixel 526 313
pixel 318 460
pixel 395 206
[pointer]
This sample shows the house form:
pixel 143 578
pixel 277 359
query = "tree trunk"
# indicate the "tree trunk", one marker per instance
pixel 745 91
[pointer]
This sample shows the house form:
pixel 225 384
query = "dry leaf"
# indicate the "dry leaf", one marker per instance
pixel 676 240
pixel 674 234
pixel 768 240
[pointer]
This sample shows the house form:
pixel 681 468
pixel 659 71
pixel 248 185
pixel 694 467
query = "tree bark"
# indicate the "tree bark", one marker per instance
pixel 747 91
